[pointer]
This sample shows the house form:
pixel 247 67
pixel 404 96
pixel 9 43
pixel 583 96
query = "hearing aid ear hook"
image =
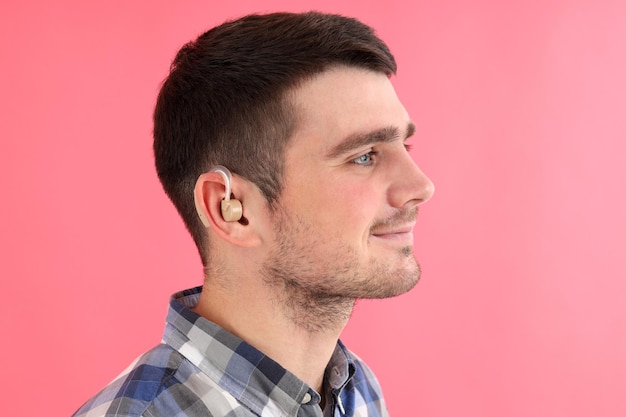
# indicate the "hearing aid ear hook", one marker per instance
pixel 231 208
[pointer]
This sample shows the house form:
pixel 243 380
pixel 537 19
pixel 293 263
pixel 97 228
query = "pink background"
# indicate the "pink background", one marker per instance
pixel 521 114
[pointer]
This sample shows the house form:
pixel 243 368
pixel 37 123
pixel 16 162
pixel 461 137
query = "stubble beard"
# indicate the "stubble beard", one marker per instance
pixel 317 281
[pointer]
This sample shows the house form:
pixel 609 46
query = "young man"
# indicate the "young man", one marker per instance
pixel 282 143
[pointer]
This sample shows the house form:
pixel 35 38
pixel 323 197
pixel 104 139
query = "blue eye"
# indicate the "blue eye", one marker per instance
pixel 364 160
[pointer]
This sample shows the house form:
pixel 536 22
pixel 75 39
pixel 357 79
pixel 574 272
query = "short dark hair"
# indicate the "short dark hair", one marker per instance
pixel 225 100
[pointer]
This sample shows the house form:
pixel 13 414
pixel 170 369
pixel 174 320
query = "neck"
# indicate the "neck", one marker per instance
pixel 293 328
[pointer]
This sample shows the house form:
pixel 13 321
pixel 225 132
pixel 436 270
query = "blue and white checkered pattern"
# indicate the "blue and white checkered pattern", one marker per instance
pixel 202 370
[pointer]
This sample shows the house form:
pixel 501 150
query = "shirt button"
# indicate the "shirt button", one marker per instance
pixel 306 398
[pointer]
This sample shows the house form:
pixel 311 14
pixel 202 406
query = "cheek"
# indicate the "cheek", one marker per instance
pixel 335 208
pixel 351 209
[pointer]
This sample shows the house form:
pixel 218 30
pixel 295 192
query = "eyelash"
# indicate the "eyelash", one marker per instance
pixel 372 156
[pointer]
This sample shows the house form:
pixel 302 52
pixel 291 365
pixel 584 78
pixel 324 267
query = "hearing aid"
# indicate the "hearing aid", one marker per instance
pixel 230 207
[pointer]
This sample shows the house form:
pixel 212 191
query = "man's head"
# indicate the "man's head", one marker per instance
pixel 227 99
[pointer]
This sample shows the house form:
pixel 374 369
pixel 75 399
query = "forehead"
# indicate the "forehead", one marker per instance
pixel 343 102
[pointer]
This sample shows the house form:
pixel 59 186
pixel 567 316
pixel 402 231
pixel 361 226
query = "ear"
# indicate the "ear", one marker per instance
pixel 209 194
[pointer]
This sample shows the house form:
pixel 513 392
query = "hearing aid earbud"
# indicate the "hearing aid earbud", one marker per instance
pixel 231 208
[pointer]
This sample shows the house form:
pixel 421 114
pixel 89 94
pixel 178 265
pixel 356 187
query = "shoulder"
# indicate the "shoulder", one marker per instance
pixel 160 383
pixel 148 378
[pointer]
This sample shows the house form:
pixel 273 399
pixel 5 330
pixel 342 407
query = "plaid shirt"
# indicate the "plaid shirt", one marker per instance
pixel 202 370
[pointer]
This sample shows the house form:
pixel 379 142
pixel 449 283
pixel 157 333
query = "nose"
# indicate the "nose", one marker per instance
pixel 410 186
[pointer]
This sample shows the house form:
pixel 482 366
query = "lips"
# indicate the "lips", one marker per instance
pixel 404 233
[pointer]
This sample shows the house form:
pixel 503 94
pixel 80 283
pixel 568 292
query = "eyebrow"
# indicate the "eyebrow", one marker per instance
pixel 358 140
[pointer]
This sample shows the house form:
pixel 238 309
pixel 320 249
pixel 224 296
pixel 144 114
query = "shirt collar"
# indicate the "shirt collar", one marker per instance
pixel 239 368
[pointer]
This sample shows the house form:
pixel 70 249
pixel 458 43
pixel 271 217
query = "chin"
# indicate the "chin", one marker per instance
pixel 387 281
